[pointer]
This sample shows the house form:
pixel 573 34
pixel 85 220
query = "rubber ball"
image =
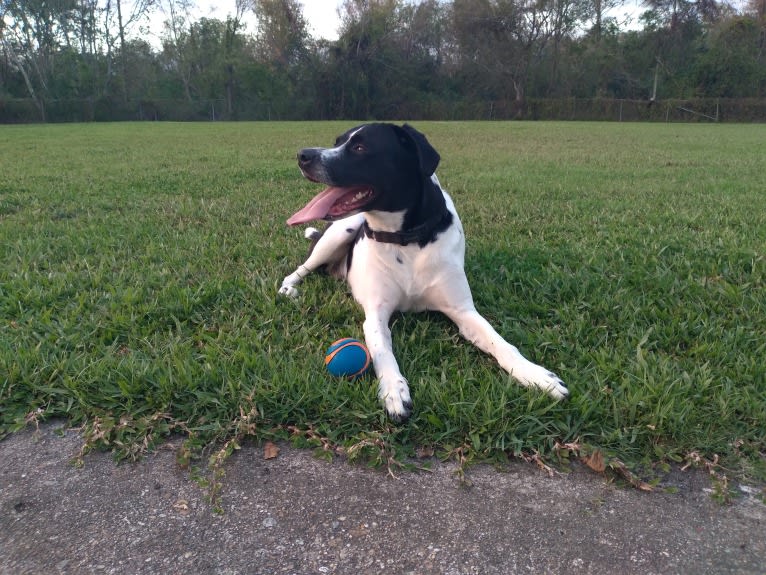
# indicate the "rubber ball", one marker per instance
pixel 347 357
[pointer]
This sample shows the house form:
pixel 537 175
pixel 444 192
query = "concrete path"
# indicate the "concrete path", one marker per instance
pixel 297 514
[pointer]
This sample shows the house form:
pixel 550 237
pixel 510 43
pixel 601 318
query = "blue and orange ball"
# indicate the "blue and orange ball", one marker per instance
pixel 347 357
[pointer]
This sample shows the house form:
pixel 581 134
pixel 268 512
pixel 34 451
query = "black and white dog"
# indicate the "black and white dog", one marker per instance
pixel 399 243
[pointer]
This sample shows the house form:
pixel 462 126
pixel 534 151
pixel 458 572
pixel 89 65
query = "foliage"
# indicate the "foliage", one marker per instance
pixel 728 65
pixel 139 265
pixel 87 60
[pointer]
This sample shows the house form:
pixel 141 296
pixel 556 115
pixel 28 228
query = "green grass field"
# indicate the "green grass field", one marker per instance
pixel 140 265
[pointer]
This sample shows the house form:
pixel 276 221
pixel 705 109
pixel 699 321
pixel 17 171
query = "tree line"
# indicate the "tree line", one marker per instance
pixel 63 60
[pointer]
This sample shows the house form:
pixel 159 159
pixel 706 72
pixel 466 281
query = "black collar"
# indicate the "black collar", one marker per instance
pixel 421 234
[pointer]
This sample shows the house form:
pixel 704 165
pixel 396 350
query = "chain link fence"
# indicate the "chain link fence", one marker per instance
pixel 14 110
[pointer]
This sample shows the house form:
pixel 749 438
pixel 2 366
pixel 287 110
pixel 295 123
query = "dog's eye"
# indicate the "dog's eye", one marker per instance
pixel 358 148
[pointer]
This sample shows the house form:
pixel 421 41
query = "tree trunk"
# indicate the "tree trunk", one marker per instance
pixel 229 91
pixel 39 103
pixel 123 57
pixel 597 9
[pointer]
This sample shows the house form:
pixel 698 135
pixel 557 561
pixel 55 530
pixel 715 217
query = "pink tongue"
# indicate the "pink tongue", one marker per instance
pixel 318 207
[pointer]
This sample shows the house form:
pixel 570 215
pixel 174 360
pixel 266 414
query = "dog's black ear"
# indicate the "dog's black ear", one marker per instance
pixel 427 155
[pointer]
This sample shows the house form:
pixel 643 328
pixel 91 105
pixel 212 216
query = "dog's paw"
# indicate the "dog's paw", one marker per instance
pixel 543 379
pixel 395 395
pixel 289 291
pixel 554 387
pixel 312 234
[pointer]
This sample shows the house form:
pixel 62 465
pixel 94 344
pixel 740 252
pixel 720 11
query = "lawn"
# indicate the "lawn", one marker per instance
pixel 140 264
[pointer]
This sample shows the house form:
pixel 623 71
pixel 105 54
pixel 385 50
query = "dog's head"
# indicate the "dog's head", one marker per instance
pixel 380 167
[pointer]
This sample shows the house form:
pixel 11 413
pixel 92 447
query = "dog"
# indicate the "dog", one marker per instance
pixel 396 238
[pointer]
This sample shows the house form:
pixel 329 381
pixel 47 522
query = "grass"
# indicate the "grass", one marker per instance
pixel 140 264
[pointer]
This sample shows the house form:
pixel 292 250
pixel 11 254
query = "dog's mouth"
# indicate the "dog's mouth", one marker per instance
pixel 333 203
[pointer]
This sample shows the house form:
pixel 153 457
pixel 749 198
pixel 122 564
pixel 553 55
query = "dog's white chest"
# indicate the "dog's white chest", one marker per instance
pixel 405 277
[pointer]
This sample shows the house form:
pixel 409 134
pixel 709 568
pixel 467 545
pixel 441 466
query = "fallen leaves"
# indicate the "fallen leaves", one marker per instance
pixel 182 507
pixel 622 470
pixel 425 451
pixel 270 450
pixel 594 459
pixel 721 488
pixel 538 460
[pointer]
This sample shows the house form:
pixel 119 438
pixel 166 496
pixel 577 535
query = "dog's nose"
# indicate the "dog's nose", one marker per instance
pixel 307 156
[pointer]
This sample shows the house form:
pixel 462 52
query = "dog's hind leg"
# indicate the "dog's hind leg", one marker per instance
pixel 330 248
pixel 456 302
pixel 478 331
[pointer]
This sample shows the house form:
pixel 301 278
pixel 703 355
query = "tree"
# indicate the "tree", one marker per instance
pixel 176 59
pixel 232 49
pixel 370 67
pixel 282 48
pixel 139 9
pixel 676 13
pixel 729 66
pixel 502 38
pixel 31 33
pixel 389 59
pixel 282 31
pixel 757 9
pixel 85 59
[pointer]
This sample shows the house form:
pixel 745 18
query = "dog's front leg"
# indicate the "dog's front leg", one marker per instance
pixel 393 389
pixel 331 246
pixel 320 255
pixel 290 283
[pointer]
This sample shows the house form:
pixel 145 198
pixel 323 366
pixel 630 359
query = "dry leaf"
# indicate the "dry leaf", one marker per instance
pixel 595 461
pixel 182 506
pixel 270 450
pixel 626 474
pixel 424 451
